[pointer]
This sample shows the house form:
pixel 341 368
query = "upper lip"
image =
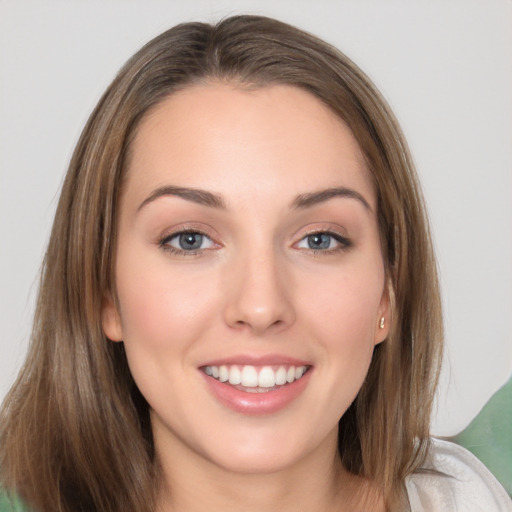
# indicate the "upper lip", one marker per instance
pixel 257 360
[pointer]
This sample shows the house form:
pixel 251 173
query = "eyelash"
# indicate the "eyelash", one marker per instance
pixel 343 242
pixel 164 243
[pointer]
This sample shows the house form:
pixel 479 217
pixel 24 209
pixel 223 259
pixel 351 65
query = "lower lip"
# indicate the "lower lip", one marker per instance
pixel 256 403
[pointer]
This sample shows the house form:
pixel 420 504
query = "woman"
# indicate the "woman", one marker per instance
pixel 239 305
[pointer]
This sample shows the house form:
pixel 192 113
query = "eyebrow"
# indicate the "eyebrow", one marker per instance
pixel 211 200
pixel 314 198
pixel 190 194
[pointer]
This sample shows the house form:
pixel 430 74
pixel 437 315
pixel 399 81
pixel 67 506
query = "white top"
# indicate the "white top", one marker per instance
pixel 465 484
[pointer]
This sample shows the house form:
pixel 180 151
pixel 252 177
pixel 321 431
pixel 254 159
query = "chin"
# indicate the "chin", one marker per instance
pixel 266 450
pixel 256 462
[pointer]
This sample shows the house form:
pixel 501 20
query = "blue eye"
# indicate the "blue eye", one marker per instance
pixel 324 241
pixel 187 241
pixel 319 241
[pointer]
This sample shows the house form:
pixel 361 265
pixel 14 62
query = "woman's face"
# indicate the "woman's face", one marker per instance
pixel 249 275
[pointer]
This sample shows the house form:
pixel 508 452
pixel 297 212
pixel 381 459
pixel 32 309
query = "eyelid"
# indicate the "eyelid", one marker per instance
pixel 167 239
pixel 343 241
pixel 320 227
pixel 188 227
pixel 175 231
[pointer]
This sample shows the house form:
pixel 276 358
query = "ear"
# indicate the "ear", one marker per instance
pixel 384 317
pixel 110 319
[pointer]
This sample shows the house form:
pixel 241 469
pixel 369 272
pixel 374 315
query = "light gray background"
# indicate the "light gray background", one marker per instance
pixel 445 67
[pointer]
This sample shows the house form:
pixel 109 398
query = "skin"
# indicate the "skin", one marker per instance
pixel 255 288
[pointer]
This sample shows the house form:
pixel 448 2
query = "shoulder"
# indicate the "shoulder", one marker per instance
pixel 453 479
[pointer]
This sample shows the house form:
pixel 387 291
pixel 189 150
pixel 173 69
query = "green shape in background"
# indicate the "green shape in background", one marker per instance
pixel 489 436
pixel 11 504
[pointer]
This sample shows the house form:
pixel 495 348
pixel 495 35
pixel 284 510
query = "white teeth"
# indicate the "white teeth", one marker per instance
pixel 281 376
pixel 235 376
pixel 223 373
pixel 255 378
pixel 249 377
pixel 267 378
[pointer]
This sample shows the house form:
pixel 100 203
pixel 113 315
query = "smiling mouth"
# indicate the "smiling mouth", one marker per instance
pixel 256 379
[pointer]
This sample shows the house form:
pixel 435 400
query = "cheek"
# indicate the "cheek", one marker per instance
pixel 343 318
pixel 164 314
pixel 348 306
pixel 340 316
pixel 161 308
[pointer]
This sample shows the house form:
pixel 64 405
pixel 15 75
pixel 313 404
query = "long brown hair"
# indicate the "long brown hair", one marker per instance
pixel 75 432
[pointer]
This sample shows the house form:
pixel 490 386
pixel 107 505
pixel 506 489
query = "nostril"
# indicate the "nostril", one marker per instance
pixel 260 326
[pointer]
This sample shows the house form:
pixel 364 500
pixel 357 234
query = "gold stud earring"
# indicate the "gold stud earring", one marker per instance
pixel 381 323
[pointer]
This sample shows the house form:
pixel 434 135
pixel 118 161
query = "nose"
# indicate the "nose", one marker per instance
pixel 259 296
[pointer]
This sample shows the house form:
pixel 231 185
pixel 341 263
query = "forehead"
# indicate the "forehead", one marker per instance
pixel 222 137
